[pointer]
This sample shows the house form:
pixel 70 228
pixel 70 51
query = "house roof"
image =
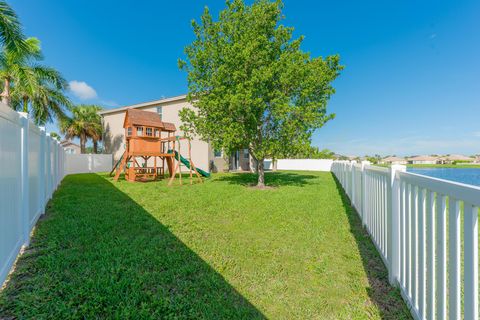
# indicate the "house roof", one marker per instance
pixel 456 157
pixel 66 143
pixel 391 159
pixel 144 104
pixel 423 158
pixel 146 118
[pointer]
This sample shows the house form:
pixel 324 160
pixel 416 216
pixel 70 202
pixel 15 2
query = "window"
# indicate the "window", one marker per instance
pixel 245 154
pixel 157 133
pixel 149 132
pixel 217 153
pixel 160 112
pixel 139 131
pixel 129 131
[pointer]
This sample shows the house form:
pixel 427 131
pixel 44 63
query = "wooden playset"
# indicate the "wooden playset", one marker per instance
pixel 150 144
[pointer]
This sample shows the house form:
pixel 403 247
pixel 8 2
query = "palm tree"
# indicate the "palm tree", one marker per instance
pixel 26 83
pixel 55 136
pixel 95 131
pixel 84 123
pixel 11 35
pixel 14 64
pixel 42 88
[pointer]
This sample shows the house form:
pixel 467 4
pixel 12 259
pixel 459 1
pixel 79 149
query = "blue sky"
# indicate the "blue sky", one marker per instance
pixel 411 83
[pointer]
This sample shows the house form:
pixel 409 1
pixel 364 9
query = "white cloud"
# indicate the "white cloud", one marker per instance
pixel 82 90
pixel 476 134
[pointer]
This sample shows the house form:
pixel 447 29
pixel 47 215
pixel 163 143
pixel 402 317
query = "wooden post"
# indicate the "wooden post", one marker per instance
pixel 190 159
pixel 155 168
pixel 179 163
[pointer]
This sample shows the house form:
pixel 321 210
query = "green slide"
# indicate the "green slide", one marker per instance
pixel 187 164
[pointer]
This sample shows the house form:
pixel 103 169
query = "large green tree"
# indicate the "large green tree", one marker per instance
pixel 252 85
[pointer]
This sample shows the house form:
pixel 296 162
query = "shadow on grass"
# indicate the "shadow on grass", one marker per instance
pixel 387 299
pixel 99 254
pixel 273 179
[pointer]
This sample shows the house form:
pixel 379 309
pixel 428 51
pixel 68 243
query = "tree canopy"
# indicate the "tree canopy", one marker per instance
pixel 85 123
pixel 252 85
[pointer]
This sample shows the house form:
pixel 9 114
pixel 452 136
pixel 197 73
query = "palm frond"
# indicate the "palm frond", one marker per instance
pixel 11 35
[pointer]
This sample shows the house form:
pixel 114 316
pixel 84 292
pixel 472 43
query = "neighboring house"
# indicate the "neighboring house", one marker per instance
pixel 203 154
pixel 70 147
pixel 455 158
pixel 423 160
pixel 393 160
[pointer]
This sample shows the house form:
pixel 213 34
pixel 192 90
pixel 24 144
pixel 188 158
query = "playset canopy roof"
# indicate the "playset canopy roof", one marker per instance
pixel 135 117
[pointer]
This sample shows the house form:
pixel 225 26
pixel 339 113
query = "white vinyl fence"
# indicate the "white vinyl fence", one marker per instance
pixel 84 163
pixel 300 164
pixel 31 167
pixel 415 223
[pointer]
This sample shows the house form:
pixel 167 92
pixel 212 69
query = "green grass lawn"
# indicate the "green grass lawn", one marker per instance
pixel 218 250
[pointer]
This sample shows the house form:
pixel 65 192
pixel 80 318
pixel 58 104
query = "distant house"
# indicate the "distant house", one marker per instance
pixel 455 158
pixel 393 160
pixel 423 160
pixel 70 147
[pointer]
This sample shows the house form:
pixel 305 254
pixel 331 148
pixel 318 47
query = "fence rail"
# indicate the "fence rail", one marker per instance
pixel 415 223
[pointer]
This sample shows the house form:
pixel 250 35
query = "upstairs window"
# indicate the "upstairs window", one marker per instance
pixel 157 133
pixel 160 112
pixel 217 153
pixel 149 132
pixel 245 154
pixel 140 131
pixel 129 131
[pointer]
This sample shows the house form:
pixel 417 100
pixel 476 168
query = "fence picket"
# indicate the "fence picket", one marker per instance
pixel 454 258
pixel 441 270
pixel 421 251
pixel 431 255
pixel 471 261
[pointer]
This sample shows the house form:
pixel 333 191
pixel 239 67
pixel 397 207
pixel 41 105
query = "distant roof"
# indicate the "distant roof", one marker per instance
pixel 393 159
pixel 456 157
pixel 423 158
pixel 146 118
pixel 143 104
pixel 65 143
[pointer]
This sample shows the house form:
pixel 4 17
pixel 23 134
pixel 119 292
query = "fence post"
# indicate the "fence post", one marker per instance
pixel 42 171
pixel 48 168
pixel 364 189
pixel 393 219
pixel 90 162
pixel 352 167
pixel 24 178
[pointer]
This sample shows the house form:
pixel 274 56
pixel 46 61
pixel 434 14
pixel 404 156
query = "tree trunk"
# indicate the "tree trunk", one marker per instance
pixel 83 142
pixel 253 163
pixel 261 173
pixel 95 146
pixel 25 104
pixel 6 92
pixel 274 164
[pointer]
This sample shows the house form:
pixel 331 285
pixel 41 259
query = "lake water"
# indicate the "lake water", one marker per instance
pixel 463 175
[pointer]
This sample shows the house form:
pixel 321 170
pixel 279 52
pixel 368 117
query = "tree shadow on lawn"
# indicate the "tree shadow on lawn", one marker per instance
pixel 99 254
pixel 272 179
pixel 387 299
